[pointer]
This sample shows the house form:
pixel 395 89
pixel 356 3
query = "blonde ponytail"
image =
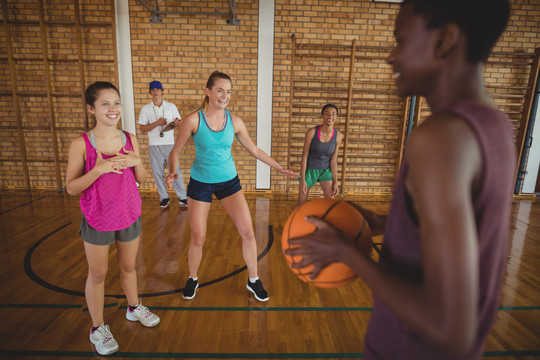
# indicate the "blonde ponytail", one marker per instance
pixel 204 104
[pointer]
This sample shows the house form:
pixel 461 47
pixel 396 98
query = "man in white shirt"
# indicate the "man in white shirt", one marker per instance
pixel 157 119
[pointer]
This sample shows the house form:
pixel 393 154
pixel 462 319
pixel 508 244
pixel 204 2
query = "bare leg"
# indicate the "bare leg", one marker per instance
pixel 97 257
pixel 127 257
pixel 237 208
pixel 302 196
pixel 327 189
pixel 198 218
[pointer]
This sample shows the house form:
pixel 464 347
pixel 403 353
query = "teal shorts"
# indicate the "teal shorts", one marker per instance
pixel 317 175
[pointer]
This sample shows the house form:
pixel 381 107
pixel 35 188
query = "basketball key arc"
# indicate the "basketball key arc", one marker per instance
pixel 40 281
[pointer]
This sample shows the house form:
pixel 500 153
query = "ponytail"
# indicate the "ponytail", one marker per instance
pixel 204 104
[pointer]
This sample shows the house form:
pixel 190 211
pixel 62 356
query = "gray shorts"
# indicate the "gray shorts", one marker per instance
pixel 96 237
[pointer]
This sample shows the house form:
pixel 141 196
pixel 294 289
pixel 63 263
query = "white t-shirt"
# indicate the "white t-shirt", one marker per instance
pixel 151 113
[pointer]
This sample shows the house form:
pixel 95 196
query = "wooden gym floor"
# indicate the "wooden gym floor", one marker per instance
pixel 43 272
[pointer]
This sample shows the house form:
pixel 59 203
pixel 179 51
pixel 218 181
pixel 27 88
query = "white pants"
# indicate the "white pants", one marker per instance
pixel 159 158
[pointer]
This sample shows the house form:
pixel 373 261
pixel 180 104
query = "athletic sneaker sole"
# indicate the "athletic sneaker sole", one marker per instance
pixel 256 297
pixel 192 296
pixel 108 352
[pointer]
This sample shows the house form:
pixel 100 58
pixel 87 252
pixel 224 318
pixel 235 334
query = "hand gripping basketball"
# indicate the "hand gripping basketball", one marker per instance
pixel 343 216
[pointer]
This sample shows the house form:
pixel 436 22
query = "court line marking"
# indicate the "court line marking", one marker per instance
pixel 21 205
pixel 27 262
pixel 34 277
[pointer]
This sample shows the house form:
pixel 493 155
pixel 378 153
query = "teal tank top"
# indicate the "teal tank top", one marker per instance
pixel 213 159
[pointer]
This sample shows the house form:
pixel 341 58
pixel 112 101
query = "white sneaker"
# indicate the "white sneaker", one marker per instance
pixel 103 340
pixel 142 314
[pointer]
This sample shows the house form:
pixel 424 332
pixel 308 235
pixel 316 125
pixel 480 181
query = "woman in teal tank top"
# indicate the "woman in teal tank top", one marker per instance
pixel 213 130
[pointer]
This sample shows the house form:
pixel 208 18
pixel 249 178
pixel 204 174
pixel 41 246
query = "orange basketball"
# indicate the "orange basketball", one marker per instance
pixel 341 215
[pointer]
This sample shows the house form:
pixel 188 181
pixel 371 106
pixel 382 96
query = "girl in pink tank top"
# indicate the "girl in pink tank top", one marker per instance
pixel 104 167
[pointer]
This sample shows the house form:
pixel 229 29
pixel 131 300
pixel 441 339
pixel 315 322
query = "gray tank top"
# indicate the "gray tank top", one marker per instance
pixel 319 152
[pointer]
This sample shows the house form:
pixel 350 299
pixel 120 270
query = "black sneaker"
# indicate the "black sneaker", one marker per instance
pixel 183 202
pixel 164 203
pixel 189 290
pixel 257 289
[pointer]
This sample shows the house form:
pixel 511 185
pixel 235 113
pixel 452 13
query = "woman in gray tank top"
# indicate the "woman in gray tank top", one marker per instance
pixel 319 156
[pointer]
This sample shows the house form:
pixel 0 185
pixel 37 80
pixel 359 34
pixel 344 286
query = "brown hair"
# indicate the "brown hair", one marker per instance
pixel 92 91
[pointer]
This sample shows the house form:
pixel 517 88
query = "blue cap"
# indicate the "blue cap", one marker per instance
pixel 155 85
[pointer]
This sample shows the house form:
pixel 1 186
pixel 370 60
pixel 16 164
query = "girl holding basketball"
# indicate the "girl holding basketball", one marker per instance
pixel 319 156
pixel 213 130
pixel 104 166
pixel 436 285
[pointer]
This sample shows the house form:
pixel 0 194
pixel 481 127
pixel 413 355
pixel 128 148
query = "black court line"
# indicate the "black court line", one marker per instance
pixel 35 277
pixel 378 248
pixel 161 355
pixel 158 355
pixel 32 275
pixel 18 206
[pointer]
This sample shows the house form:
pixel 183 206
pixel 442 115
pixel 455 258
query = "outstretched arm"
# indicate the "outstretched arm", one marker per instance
pixel 244 139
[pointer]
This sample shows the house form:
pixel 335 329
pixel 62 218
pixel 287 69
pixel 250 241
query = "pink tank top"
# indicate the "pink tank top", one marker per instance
pixel 113 201
pixel 388 338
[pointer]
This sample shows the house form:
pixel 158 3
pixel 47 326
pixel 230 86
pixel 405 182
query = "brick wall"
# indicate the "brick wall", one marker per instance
pixel 45 159
pixel 184 49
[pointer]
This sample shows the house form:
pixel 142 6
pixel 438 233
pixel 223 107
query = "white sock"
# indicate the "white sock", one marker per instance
pixel 196 279
pixel 252 280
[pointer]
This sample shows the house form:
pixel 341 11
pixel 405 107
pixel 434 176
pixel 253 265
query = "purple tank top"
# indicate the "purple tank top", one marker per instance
pixel 113 201
pixel 386 337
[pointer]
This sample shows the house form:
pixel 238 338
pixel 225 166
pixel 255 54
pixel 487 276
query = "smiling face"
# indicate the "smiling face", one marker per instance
pixel 220 94
pixel 329 116
pixel 413 57
pixel 107 108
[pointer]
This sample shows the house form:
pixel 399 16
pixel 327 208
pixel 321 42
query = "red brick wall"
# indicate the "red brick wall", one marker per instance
pixel 37 129
pixel 183 51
